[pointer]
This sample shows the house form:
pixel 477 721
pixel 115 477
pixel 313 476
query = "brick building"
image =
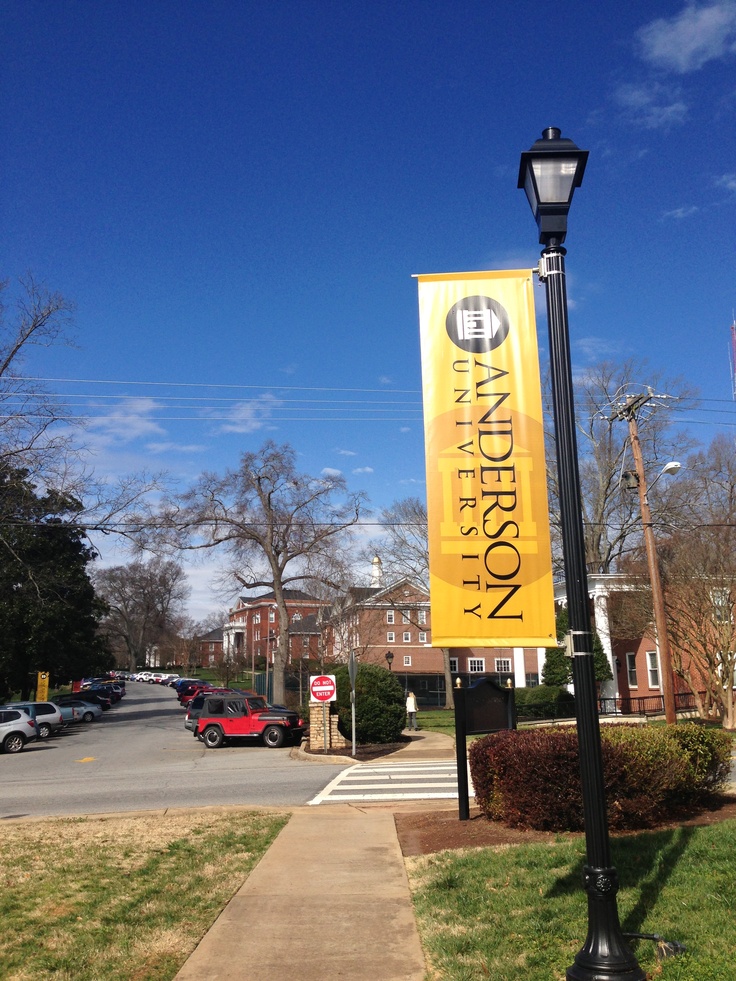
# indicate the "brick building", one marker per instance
pixel 252 631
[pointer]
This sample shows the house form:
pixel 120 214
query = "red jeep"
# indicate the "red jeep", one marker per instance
pixel 238 716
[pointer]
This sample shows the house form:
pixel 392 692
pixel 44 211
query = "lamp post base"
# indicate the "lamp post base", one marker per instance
pixel 605 955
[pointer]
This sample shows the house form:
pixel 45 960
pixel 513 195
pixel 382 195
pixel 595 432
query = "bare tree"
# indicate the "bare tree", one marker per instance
pixel 38 434
pixel 404 551
pixel 612 524
pixel 34 426
pixel 145 600
pixel 699 566
pixel 281 528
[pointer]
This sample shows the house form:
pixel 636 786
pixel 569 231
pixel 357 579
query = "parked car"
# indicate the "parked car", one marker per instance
pixel 225 717
pixel 47 715
pixel 70 714
pixel 86 711
pixel 187 694
pixel 194 708
pixel 178 683
pixel 16 729
pixel 87 696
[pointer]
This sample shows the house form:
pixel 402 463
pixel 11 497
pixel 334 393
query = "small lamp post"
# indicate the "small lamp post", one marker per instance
pixel 549 173
pixel 389 659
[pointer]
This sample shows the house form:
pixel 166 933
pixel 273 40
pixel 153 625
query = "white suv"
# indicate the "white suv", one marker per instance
pixel 16 729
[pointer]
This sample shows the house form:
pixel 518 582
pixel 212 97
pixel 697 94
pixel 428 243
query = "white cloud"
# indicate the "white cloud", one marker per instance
pixel 248 417
pixel 385 380
pixel 128 421
pixel 690 39
pixel 170 447
pixel 331 472
pixel 404 429
pixel 346 453
pixel 728 181
pixel 360 470
pixel 678 214
pixel 596 348
pixel 651 104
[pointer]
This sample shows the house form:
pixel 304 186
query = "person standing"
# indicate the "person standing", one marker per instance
pixel 411 710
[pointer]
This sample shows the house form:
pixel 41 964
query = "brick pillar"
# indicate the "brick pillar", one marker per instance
pixel 316 728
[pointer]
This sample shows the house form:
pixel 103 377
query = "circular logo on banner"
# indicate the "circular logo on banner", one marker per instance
pixel 477 324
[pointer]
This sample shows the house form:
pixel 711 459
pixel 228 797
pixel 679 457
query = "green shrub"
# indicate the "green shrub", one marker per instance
pixel 544 702
pixel 531 778
pixel 380 705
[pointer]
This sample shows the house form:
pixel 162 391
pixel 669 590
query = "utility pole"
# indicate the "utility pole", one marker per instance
pixel 628 411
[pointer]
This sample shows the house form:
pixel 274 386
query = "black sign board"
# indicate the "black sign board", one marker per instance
pixel 482 708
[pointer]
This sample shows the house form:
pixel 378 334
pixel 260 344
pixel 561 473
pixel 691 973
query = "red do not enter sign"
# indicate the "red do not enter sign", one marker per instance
pixel 322 688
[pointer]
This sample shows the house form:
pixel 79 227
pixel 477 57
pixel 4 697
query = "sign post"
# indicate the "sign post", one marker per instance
pixel 353 674
pixel 322 688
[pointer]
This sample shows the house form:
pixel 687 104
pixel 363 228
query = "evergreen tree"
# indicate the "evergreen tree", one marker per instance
pixel 558 666
pixel 49 612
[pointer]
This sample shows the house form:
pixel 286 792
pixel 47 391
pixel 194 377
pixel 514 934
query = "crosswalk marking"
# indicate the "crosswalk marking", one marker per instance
pixel 426 780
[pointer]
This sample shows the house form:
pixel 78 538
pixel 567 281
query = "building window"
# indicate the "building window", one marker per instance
pixel 272 615
pixel 503 665
pixel 405 618
pixel 422 637
pixel 256 618
pixel 422 617
pixel 257 634
pixel 407 660
pixel 532 680
pixel 722 605
pixel 296 618
pixel 631 670
pixel 212 647
pixel 476 665
pixel 407 637
pixel 453 665
pixel 390 637
pixel 653 669
pixel 390 616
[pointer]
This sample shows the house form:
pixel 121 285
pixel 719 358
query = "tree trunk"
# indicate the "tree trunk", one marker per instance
pixel 449 693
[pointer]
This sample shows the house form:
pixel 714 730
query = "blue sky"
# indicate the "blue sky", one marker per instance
pixel 236 195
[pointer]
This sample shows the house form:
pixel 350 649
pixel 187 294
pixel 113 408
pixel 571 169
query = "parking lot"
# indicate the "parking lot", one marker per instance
pixel 139 756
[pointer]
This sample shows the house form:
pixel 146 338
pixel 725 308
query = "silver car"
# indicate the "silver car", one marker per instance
pixel 16 729
pixel 47 715
pixel 86 711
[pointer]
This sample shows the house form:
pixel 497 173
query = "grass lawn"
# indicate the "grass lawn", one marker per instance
pixel 437 720
pixel 518 912
pixel 110 899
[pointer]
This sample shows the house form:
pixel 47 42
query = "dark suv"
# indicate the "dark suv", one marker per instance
pixel 236 716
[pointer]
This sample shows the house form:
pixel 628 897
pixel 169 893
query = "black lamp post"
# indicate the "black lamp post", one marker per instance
pixel 389 659
pixel 549 173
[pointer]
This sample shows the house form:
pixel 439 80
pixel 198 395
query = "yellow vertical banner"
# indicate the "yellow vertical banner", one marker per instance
pixel 42 686
pixel 490 563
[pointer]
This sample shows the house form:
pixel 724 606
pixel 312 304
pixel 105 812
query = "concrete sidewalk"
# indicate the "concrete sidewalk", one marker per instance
pixel 330 898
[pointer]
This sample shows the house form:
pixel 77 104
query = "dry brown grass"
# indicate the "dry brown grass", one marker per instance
pixel 121 897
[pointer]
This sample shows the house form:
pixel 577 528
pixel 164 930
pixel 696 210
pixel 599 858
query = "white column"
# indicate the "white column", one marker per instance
pixel 609 689
pixel 519 672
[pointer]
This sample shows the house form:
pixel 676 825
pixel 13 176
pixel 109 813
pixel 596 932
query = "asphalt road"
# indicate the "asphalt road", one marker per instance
pixel 139 756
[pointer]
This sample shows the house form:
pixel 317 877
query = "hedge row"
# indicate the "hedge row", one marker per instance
pixel 531 778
